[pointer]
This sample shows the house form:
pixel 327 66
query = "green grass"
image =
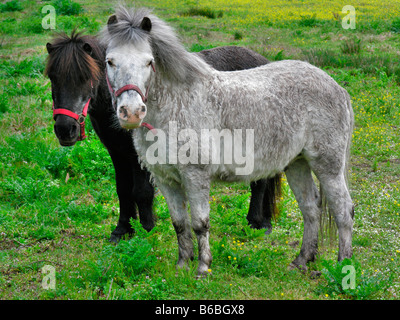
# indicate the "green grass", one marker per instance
pixel 58 206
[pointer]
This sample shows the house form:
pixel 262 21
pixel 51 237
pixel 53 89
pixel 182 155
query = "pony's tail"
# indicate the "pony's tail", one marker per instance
pixel 347 164
pixel 348 149
pixel 328 227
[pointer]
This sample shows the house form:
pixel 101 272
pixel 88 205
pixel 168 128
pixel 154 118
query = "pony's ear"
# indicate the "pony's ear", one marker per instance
pixel 112 19
pixel 88 48
pixel 146 24
pixel 49 47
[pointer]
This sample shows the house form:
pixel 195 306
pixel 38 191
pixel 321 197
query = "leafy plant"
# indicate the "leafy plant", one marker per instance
pixel 322 57
pixel 4 104
pixel 67 7
pixel 309 21
pixel 128 259
pixel 10 6
pixel 197 47
pixel 33 25
pixel 42 233
pixel 243 257
pixel 351 46
pixel 203 11
pixel 90 160
pixel 238 35
pixel 346 279
pixel 395 27
pixel 30 67
pixel 276 56
pixel 66 23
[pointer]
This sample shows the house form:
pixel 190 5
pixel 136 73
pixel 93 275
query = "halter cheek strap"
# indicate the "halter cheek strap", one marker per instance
pixel 80 118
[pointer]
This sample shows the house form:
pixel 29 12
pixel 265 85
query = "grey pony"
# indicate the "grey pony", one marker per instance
pixel 301 118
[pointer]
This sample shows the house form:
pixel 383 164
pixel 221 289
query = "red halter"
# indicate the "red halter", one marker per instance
pixel 135 88
pixel 80 118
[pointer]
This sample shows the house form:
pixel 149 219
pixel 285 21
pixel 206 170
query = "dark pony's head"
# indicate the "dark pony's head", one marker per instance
pixel 75 66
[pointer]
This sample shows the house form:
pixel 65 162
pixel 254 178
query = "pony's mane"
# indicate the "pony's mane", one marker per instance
pixel 171 57
pixel 69 59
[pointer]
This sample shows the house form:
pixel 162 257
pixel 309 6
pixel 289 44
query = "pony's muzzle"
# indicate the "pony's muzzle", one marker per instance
pixel 131 118
pixel 66 130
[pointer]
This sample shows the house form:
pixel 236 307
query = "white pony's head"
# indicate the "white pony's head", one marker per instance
pixel 129 71
pixel 139 43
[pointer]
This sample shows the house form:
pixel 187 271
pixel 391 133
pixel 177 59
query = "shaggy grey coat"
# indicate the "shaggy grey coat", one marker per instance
pixel 302 121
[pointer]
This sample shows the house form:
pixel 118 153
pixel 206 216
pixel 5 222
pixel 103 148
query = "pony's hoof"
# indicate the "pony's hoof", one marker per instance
pixel 261 225
pixel 268 230
pixel 293 266
pixel 119 233
pixel 315 274
pixel 148 226
pixel 203 275
pixel 203 270
pixel 115 238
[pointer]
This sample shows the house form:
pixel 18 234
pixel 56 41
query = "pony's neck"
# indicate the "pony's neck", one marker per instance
pixel 171 86
pixel 170 99
pixel 102 98
pixel 179 72
pixel 179 66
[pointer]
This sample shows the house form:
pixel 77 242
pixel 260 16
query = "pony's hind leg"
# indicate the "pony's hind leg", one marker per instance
pixel 341 207
pixel 301 182
pixel 263 202
pixel 255 215
pixel 176 201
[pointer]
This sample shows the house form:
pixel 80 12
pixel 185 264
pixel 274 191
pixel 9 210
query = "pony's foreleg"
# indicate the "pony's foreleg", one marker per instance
pixel 176 201
pixel 197 186
pixel 301 182
pixel 143 192
pixel 124 177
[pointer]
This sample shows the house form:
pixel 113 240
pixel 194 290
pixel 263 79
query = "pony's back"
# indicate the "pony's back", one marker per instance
pixel 231 58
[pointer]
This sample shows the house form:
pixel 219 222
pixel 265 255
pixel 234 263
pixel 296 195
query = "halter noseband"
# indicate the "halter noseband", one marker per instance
pixel 131 87
pixel 80 118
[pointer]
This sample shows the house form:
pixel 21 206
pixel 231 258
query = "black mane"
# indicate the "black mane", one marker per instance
pixel 75 59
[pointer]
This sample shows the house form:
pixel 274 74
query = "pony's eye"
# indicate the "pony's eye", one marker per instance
pixel 110 63
pixel 149 63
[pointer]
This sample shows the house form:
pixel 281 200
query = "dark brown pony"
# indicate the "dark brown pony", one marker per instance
pixel 76 67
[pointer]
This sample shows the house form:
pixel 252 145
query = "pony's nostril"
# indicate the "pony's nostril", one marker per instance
pixel 123 112
pixel 141 112
pixel 67 133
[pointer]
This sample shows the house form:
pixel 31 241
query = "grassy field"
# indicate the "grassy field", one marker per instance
pixel 58 205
